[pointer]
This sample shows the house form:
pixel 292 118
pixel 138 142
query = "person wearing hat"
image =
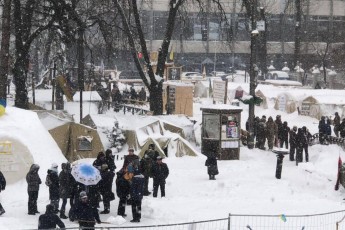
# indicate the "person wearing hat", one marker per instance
pixel 49 220
pixel 146 164
pixel 52 181
pixel 130 159
pixel 137 192
pixel 86 215
pixel 34 181
pixel 105 187
pixel 336 123
pixel 2 187
pixel 68 185
pixel 212 167
pixel 100 160
pixel 160 172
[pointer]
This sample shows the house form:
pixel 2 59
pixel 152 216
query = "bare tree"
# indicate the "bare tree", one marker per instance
pixel 137 43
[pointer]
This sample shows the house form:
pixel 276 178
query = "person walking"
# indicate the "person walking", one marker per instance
pixel 299 144
pixel 212 167
pixel 67 187
pixel 52 181
pixel 34 181
pixel 278 128
pixel 322 130
pixel 336 123
pixel 261 133
pixel 160 172
pixel 105 187
pixel 293 142
pixel 137 192
pixel 49 220
pixel 2 188
pixel 86 215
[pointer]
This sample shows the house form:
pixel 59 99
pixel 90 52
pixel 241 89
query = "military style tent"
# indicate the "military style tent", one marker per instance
pixel 285 102
pixel 77 141
pixel 152 131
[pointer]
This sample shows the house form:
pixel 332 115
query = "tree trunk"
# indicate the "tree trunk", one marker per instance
pixel 5 44
pixel 19 73
pixel 156 100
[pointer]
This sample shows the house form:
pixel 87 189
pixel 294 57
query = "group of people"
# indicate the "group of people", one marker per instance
pixel 131 94
pixel 278 134
pixel 131 185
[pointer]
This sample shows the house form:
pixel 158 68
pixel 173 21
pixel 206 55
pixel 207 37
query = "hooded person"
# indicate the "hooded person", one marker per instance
pixel 293 142
pixel 67 187
pixel 86 215
pixel 34 181
pixel 105 186
pixel 49 220
pixel 52 181
pixel 110 160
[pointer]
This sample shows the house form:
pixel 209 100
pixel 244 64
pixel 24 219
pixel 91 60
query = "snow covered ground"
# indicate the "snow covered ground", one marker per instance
pixel 245 186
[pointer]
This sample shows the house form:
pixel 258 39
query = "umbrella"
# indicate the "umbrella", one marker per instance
pixel 86 174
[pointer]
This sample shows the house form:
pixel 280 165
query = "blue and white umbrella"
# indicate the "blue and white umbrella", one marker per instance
pixel 86 174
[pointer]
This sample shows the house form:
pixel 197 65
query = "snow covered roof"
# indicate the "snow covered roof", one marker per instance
pixel 87 96
pixel 221 107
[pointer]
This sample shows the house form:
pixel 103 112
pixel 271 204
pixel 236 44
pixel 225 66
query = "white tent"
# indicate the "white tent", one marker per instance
pixel 285 102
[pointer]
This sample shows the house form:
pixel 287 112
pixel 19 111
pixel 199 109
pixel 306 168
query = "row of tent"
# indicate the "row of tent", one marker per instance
pixel 86 140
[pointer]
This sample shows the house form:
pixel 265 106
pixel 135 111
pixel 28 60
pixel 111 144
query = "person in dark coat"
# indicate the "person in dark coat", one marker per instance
pixel 49 220
pixel 284 135
pixel 67 187
pixel 146 163
pixel 34 181
pixel 342 128
pixel 322 130
pixel 293 142
pixel 336 123
pixel 261 134
pixel 105 187
pixel 100 160
pixel 131 158
pixel 122 191
pixel 212 167
pixel 279 126
pixel 110 160
pixel 86 215
pixel 137 192
pixel 2 188
pixel 271 130
pixel 160 172
pixel 305 141
pixel 52 181
pixel 142 94
pixel 300 142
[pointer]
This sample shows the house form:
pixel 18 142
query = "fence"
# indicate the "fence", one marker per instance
pixel 323 221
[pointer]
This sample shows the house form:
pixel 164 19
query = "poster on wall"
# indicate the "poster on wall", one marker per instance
pixel 174 73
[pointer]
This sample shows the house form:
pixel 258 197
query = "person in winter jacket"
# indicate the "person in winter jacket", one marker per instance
pixel 322 130
pixel 306 136
pixel 100 160
pixel 299 144
pixel 137 192
pixel 110 160
pixel 67 187
pixel 271 130
pixel 105 187
pixel 86 215
pixel 336 123
pixel 212 167
pixel 160 172
pixel 131 158
pixel 52 181
pixel 278 128
pixel 34 181
pixel 342 128
pixel 284 135
pixel 293 142
pixel 261 133
pixel 2 188
pixel 49 220
pixel 146 164
pixel 122 191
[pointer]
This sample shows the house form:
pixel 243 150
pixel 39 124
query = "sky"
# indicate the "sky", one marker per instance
pixel 244 186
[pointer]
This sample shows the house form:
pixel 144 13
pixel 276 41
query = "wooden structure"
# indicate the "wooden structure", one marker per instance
pixel 221 131
pixel 178 98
